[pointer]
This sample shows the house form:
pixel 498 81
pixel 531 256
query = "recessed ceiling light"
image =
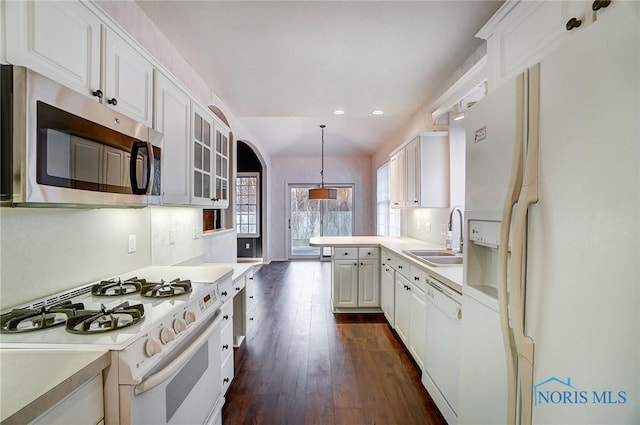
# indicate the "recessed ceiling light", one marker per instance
pixel 377 112
pixel 338 112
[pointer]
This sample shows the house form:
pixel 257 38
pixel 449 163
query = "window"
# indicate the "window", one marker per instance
pixel 387 218
pixel 248 204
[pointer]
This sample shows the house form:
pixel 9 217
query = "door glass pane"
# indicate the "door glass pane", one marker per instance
pixel 305 222
pixel 311 218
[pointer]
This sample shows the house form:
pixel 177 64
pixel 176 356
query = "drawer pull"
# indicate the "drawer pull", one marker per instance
pixel 597 5
pixel 573 23
pixel 225 380
pixel 225 347
pixel 225 317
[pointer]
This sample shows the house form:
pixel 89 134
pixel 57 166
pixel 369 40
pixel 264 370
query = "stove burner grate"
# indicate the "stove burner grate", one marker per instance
pixel 34 319
pixel 105 320
pixel 165 290
pixel 115 288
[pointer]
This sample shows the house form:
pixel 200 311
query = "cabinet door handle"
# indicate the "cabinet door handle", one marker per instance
pixel 225 380
pixel 250 318
pixel 573 23
pixel 600 4
pixel 237 288
pixel 224 293
pixel 399 267
pixel 416 278
pixel 251 297
pixel 225 347
pixel 113 101
pixel 98 93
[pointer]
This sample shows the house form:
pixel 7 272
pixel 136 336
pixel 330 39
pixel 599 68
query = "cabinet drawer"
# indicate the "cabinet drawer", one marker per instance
pixel 227 340
pixel 227 373
pixel 226 289
pixel 366 253
pixel 227 313
pixel 345 253
pixel 419 277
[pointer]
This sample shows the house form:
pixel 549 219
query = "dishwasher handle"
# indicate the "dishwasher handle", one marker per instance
pixel 182 359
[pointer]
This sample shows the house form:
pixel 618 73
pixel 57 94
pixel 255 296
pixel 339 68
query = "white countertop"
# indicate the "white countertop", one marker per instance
pixel 33 381
pixel 450 275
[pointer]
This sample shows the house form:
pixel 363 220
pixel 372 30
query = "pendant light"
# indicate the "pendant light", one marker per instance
pixel 322 192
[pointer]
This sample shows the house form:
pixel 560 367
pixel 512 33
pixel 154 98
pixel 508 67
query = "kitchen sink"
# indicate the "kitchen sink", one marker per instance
pixel 436 258
pixel 430 253
pixel 442 261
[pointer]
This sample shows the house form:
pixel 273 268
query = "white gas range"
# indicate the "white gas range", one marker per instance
pixel 165 351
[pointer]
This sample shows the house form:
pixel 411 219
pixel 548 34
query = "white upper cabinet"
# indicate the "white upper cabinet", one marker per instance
pixel 202 155
pixel 172 118
pixel 522 33
pixel 128 79
pixel 221 184
pixel 64 41
pixel 420 172
pixel 60 40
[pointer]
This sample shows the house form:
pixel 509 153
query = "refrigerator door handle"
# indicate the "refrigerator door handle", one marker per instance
pixel 528 196
pixel 515 185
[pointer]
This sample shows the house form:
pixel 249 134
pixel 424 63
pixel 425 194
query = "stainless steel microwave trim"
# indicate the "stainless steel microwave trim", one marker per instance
pixel 29 88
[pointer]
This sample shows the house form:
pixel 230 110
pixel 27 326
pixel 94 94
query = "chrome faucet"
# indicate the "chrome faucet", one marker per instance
pixel 451 225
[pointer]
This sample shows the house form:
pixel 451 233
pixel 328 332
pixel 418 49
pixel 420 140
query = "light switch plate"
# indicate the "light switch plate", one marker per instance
pixel 132 244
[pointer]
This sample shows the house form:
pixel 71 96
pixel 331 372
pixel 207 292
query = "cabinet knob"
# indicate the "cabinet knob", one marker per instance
pixel 225 380
pixel 355 264
pixel 225 347
pixel 223 293
pixel 251 297
pixel 600 4
pixel 237 288
pixel 215 199
pixel 225 317
pixel 459 313
pixel 416 278
pixel 399 267
pixel 573 23
pixel 250 318
pixel 98 93
pixel 113 101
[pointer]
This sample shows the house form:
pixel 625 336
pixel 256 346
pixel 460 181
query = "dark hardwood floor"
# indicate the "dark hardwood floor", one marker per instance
pixel 303 365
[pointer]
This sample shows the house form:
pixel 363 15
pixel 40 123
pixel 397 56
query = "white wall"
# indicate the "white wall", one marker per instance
pixel 286 170
pixel 44 250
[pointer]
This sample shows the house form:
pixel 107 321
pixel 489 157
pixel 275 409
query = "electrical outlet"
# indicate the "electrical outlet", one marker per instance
pixel 419 225
pixel 443 229
pixel 172 236
pixel 132 244
pixel 247 245
pixel 196 233
pixel 428 229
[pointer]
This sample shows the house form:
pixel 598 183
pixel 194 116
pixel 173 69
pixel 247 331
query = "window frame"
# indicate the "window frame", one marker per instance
pixel 256 176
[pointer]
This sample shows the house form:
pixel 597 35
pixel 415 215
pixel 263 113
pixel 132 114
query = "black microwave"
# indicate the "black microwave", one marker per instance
pixel 62 148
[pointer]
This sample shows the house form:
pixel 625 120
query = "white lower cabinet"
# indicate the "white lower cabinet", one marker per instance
pixel 418 314
pixel 226 296
pixel 387 293
pixel 403 320
pixel 83 406
pixel 356 278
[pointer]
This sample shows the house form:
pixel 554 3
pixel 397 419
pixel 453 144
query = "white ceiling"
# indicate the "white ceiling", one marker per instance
pixel 283 67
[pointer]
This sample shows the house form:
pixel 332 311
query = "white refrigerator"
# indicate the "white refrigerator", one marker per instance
pixel 551 301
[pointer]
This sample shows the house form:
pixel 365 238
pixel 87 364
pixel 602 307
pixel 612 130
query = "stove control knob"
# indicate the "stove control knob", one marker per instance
pixel 167 335
pixel 189 316
pixel 179 325
pixel 152 347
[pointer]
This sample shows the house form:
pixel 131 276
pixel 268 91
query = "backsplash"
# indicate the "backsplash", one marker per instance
pixel 172 234
pixel 48 250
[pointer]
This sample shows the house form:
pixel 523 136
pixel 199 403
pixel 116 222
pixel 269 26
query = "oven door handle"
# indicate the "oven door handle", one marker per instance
pixel 164 374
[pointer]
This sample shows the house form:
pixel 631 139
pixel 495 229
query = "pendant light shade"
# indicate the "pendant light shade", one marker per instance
pixel 322 192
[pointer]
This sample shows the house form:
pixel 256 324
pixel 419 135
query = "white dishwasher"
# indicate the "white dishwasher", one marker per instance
pixel 442 343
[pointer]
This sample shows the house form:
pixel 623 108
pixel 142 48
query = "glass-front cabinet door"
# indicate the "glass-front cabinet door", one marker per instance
pixel 202 155
pixel 220 196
